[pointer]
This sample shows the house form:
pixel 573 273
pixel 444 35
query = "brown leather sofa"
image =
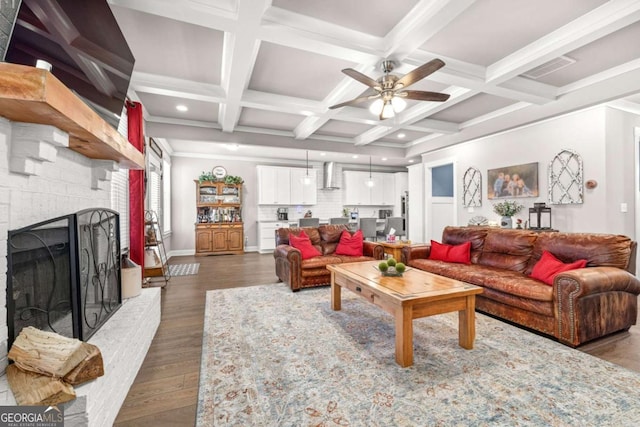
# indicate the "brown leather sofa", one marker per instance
pixel 582 304
pixel 299 273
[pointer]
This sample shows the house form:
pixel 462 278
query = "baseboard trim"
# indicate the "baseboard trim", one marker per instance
pixel 182 252
pixel 190 252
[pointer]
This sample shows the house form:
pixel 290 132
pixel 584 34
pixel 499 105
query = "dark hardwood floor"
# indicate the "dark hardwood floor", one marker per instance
pixel 165 392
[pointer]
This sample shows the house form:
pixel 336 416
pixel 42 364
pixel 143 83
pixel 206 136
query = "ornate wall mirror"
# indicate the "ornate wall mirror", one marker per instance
pixel 565 178
pixel 472 188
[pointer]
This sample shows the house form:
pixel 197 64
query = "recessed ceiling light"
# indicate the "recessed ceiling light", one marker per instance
pixel 355 156
pixel 182 108
pixel 411 160
pixel 384 159
pixel 323 154
pixel 401 135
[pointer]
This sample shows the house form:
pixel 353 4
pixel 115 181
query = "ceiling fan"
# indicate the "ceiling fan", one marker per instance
pixel 389 91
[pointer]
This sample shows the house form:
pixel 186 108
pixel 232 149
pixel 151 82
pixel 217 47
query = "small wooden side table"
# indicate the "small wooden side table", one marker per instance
pixel 394 249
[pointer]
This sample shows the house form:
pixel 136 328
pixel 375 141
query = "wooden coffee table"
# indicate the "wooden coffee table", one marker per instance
pixel 416 294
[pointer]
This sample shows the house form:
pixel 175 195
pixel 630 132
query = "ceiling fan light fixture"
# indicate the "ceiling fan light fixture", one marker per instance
pixel 390 90
pixel 387 110
pixel 376 106
pixel 399 104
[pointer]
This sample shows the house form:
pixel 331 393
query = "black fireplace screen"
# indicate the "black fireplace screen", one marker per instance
pixel 64 274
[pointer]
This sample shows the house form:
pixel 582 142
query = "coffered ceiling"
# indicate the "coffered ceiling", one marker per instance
pixel 262 73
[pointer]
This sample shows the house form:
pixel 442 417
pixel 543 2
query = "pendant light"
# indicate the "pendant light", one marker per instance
pixel 306 180
pixel 370 182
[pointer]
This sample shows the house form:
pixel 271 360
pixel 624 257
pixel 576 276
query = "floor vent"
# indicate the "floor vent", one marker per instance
pixel 549 67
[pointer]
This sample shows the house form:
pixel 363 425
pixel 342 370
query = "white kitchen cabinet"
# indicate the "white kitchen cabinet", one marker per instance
pixel 267 235
pixel 274 185
pixel 303 194
pixel 356 192
pixel 383 191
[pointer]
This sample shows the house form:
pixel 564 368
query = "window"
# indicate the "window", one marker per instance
pixel 166 196
pixel 442 181
pixel 159 185
pixel 120 190
pixel 154 190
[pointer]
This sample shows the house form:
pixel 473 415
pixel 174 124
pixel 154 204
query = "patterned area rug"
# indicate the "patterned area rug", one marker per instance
pixel 276 358
pixel 183 269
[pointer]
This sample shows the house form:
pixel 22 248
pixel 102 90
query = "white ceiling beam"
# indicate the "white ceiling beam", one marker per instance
pixel 425 20
pixel 494 114
pixel 472 76
pixel 599 77
pixel 302 32
pixel 623 105
pixel 182 122
pixel 175 87
pixel 239 57
pixel 611 16
pixel 311 124
pixel 281 103
pixel 216 18
pixel 432 125
pixel 522 89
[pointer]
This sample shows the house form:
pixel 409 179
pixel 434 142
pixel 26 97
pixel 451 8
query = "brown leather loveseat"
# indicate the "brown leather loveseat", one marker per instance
pixel 299 273
pixel 582 305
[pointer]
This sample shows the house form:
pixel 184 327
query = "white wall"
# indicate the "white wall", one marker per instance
pixel 416 184
pixel 604 139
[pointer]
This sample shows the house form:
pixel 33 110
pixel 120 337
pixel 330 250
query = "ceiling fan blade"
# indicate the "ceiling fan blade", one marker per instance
pixel 362 78
pixel 419 73
pixel 419 95
pixel 356 101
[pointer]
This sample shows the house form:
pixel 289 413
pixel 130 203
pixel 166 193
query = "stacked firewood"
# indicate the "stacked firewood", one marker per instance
pixel 47 366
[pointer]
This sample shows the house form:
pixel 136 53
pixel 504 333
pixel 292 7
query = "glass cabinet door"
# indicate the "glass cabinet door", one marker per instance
pixel 208 194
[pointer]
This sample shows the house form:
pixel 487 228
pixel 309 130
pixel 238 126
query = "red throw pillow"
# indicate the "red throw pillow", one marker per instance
pixel 460 254
pixel 303 244
pixel 549 267
pixel 350 245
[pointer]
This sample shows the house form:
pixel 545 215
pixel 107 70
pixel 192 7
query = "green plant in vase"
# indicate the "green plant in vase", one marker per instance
pixel 206 176
pixel 507 209
pixel 230 179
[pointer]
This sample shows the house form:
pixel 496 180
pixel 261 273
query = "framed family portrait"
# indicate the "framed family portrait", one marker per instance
pixel 513 181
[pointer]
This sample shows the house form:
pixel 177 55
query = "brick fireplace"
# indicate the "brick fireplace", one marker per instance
pixel 46 172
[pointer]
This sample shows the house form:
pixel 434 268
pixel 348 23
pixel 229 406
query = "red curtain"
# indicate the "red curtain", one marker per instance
pixel 136 187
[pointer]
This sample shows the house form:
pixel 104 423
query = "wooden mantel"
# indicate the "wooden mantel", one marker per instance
pixel 33 95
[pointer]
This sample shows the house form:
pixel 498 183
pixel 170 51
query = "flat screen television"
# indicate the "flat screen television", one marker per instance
pixel 83 43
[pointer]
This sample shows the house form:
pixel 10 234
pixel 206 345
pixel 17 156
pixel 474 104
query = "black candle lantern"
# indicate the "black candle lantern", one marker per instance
pixel 539 217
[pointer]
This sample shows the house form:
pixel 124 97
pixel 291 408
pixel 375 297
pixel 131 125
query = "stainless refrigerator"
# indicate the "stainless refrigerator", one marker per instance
pixel 404 212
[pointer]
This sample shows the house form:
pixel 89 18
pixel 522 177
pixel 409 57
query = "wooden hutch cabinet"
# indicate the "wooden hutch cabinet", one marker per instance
pixel 219 227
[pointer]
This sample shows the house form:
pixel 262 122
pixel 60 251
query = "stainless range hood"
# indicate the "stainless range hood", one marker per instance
pixel 329 180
